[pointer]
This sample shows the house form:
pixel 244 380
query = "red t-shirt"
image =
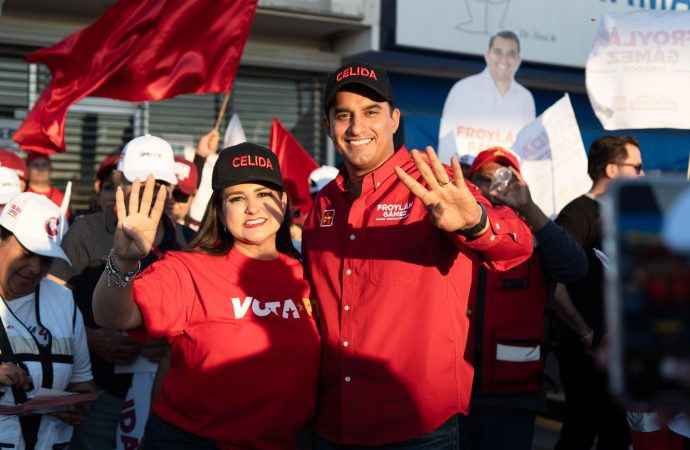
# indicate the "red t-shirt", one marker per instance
pixel 54 194
pixel 245 349
pixel 392 292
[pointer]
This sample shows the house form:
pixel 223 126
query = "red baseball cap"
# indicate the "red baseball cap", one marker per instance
pixel 33 156
pixel 13 161
pixel 187 176
pixel 107 166
pixel 499 155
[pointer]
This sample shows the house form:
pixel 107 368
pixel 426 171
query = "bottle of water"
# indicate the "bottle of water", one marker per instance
pixel 500 180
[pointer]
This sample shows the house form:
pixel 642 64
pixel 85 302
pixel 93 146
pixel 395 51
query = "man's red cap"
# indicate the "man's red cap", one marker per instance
pixel 13 161
pixel 499 155
pixel 187 176
pixel 107 166
pixel 33 156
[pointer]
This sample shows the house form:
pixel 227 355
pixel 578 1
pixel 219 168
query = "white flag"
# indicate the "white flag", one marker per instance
pixel 554 161
pixel 638 73
pixel 234 134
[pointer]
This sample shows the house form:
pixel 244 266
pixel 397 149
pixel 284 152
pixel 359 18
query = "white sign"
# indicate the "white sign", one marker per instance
pixel 638 72
pixel 476 116
pixel 553 158
pixel 550 31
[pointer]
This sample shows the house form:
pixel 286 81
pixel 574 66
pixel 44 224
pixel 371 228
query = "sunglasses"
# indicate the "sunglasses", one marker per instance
pixel 637 167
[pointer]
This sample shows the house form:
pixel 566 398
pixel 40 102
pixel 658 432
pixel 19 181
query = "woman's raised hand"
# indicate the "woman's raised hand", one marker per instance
pixel 137 223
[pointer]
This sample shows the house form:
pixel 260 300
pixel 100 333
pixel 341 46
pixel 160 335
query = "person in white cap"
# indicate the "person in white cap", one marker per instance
pixel 42 337
pixel 9 186
pixel 87 244
pixel 320 177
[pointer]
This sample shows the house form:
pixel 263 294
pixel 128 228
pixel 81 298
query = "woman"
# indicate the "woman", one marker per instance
pixel 42 337
pixel 234 309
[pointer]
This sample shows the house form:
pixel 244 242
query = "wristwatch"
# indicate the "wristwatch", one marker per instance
pixel 477 228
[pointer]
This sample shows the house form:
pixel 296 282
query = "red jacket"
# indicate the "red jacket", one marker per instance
pixel 393 290
pixel 506 310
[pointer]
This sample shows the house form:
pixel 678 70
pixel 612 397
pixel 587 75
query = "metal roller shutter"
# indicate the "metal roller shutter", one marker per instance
pixel 97 127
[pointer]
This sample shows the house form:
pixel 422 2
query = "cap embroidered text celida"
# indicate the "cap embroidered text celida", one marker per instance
pixel 246 163
pixel 372 77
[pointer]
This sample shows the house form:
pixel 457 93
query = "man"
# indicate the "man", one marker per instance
pixel 487 109
pixel 40 171
pixel 590 411
pixel 105 185
pixel 42 339
pixel 12 161
pixel 507 318
pixel 388 247
pixel 87 244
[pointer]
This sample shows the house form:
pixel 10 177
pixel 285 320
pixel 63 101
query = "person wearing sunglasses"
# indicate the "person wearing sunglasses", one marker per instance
pixel 590 411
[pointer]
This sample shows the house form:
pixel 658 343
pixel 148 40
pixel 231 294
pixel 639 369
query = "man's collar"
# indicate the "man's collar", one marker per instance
pixel 374 179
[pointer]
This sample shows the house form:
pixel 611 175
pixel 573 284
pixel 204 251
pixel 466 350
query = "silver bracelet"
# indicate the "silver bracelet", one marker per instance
pixel 120 279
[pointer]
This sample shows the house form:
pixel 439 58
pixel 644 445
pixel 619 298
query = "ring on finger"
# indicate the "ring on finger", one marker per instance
pixel 444 183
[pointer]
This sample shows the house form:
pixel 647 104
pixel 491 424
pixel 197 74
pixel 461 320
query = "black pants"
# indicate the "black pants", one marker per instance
pixel 162 435
pixel 590 412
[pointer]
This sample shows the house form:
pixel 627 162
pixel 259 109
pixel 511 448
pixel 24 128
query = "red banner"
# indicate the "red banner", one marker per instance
pixel 139 50
pixel 295 165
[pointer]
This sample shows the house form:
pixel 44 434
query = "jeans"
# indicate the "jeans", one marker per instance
pixel 162 435
pixel 444 437
pixel 496 429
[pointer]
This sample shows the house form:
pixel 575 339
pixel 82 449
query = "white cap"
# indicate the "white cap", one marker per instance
pixel 320 177
pixel 466 159
pixel 9 185
pixel 677 223
pixel 36 222
pixel 148 155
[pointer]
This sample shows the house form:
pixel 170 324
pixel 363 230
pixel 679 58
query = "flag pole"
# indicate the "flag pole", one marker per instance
pixel 222 111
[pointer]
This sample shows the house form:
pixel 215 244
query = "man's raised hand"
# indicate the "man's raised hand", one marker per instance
pixel 449 201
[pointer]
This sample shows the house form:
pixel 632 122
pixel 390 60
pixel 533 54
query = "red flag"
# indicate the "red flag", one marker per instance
pixel 139 50
pixel 295 165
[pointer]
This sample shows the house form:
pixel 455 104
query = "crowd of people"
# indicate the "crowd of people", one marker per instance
pixel 414 315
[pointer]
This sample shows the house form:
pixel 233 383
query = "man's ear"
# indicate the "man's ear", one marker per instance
pixel 395 116
pixel 611 170
pixel 486 58
pixel 97 186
